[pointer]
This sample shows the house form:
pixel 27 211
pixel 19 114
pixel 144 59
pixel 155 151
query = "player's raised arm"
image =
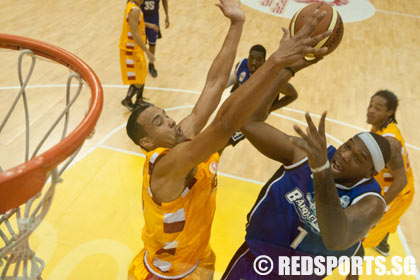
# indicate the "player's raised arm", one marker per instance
pixel 219 71
pixel 267 139
pixel 240 106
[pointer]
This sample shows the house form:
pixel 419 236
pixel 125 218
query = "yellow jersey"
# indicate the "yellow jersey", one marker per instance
pixel 177 233
pixel 126 39
pixel 384 177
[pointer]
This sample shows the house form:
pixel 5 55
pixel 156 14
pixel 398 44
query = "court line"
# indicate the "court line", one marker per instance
pixel 198 92
pixel 397 13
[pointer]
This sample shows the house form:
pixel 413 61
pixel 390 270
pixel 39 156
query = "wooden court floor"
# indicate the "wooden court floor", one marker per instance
pixel 380 52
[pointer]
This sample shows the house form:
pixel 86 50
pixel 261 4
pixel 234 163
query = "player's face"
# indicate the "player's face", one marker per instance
pixel 255 60
pixel 377 112
pixel 161 130
pixel 352 162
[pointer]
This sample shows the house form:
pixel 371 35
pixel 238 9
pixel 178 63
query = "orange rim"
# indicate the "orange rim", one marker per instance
pixel 20 183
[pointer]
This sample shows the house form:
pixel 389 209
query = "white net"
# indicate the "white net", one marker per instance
pixel 17 259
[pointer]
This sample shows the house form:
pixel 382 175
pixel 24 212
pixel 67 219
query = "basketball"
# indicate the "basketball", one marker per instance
pixel 331 21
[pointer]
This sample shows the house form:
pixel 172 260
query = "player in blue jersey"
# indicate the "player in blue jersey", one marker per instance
pixel 150 9
pixel 321 202
pixel 243 71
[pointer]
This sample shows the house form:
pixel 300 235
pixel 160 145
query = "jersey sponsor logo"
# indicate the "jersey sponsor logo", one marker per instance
pixel 213 170
pixel 345 201
pixel 237 136
pixel 307 214
pixel 242 76
pixel 350 10
pixel 213 167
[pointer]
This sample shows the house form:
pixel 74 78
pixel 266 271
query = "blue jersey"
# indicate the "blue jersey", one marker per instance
pixel 242 71
pixel 285 213
pixel 150 7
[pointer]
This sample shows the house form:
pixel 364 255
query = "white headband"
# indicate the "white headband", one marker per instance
pixel 374 150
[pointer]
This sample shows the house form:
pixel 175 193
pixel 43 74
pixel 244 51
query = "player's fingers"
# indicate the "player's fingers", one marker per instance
pixel 321 128
pixel 299 143
pixel 320 37
pixel 301 133
pixel 221 6
pixel 286 34
pixel 311 23
pixel 311 126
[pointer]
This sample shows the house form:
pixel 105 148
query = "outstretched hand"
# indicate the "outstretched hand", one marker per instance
pixel 232 10
pixel 314 142
pixel 303 63
pixel 292 49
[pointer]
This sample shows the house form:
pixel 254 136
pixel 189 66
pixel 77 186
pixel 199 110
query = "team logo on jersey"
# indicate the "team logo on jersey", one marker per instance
pixel 242 76
pixel 305 208
pixel 213 168
pixel 345 201
pixel 350 10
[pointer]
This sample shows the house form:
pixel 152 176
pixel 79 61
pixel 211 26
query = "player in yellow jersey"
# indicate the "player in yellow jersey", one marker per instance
pixel 132 49
pixel 396 179
pixel 179 175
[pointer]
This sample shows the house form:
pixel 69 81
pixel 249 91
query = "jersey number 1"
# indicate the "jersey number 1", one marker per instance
pixel 299 238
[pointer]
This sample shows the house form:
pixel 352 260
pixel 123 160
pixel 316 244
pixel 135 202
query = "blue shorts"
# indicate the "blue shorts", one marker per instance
pixel 152 35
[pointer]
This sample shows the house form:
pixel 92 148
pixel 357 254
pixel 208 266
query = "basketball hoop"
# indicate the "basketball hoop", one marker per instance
pixel 22 203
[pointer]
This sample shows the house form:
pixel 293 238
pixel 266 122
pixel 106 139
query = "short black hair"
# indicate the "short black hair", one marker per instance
pixel 134 129
pixel 383 145
pixel 391 101
pixel 258 48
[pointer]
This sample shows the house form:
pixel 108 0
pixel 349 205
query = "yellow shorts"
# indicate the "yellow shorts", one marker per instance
pixel 133 67
pixel 390 220
pixel 204 270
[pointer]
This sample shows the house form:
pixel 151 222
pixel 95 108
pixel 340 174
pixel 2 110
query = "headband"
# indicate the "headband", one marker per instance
pixel 374 150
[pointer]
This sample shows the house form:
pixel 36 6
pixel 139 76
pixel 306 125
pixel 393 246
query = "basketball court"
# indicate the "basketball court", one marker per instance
pixel 93 228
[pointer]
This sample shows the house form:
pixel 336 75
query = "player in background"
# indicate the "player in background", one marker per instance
pixel 321 202
pixel 132 49
pixel 396 179
pixel 150 10
pixel 243 71
pixel 179 175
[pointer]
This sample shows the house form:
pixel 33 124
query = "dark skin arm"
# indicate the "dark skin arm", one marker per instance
pixel 166 8
pixel 397 170
pixel 268 140
pixel 289 95
pixel 340 228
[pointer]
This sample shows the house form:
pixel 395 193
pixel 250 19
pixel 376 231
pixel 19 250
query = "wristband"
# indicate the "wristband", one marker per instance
pixel 321 168
pixel 291 70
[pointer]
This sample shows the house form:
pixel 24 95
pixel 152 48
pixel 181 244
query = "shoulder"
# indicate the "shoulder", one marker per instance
pixel 391 130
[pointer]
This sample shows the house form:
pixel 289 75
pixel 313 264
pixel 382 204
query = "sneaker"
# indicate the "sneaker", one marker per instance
pixel 128 104
pixel 383 249
pixel 152 70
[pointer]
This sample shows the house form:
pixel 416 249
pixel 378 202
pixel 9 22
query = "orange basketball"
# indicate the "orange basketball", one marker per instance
pixel 331 21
